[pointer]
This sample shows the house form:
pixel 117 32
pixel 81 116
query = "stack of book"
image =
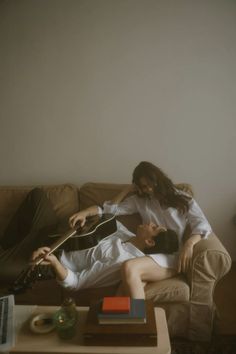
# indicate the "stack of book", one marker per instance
pixel 122 310
pixel 121 321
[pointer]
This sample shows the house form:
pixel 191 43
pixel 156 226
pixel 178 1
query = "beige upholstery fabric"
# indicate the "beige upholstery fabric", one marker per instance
pixel 210 263
pixel 64 199
pixel 169 290
pixel 97 193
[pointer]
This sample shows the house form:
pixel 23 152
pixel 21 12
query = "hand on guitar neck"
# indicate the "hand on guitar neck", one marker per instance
pixel 48 258
pixel 43 254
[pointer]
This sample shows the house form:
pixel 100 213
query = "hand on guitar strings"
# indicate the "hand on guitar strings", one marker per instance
pixel 78 219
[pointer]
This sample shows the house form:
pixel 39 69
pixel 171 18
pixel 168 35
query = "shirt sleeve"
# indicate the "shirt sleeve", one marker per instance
pixel 126 207
pixel 197 220
pixel 100 211
pixel 70 280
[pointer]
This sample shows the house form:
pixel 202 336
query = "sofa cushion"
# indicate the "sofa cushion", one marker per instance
pixel 169 290
pixel 64 199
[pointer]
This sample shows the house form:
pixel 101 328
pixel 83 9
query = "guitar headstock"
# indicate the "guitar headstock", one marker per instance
pixel 25 280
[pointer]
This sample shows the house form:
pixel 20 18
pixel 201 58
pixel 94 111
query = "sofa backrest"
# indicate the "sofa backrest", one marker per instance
pixel 67 199
pixel 64 199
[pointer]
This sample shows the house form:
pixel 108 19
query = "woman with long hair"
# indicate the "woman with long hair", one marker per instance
pixel 159 202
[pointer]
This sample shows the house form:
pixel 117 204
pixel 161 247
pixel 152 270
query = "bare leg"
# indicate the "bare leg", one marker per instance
pixel 136 272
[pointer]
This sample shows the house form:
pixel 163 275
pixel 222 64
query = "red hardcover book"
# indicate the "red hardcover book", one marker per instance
pixel 116 304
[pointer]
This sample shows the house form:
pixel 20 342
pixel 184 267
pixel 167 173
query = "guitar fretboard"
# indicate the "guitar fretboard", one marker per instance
pixel 58 243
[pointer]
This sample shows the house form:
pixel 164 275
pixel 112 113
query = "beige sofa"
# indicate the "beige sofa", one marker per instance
pixel 187 299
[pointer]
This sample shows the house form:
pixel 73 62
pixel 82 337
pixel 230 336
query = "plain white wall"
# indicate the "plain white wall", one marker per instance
pixel 90 88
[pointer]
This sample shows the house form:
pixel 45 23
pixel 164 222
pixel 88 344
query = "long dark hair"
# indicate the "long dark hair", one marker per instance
pixel 164 189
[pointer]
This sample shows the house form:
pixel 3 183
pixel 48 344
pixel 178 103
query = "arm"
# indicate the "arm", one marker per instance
pixel 65 276
pixel 186 254
pixel 198 222
pixel 60 271
pixel 121 196
pixel 82 215
pixel 200 228
pixel 110 207
pixel 121 204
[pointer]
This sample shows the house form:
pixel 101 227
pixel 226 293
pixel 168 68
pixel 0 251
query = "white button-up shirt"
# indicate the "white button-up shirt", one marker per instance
pixel 150 210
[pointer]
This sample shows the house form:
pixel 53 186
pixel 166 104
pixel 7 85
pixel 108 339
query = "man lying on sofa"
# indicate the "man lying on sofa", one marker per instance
pixel 101 265
pixel 95 267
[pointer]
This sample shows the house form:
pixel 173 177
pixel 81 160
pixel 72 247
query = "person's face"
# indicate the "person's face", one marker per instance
pixel 147 231
pixel 145 187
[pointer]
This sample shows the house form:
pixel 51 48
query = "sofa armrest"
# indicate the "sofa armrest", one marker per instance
pixel 210 263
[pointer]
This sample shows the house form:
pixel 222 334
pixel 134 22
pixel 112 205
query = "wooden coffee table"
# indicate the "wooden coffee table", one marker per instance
pixel 29 342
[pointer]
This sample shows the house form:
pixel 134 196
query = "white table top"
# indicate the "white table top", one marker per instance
pixel 29 342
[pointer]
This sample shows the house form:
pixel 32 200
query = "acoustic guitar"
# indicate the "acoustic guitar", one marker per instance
pixel 95 229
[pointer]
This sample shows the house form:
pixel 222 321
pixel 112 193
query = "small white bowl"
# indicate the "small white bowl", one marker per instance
pixel 42 323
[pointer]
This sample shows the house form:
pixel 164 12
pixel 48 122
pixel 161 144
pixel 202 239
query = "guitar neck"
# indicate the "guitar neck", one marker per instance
pixel 57 244
pixel 106 224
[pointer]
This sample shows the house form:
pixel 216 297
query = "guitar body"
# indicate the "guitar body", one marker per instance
pixel 95 229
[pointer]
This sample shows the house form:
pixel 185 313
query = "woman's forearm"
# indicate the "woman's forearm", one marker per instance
pixel 91 211
pixel 193 239
pixel 82 215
